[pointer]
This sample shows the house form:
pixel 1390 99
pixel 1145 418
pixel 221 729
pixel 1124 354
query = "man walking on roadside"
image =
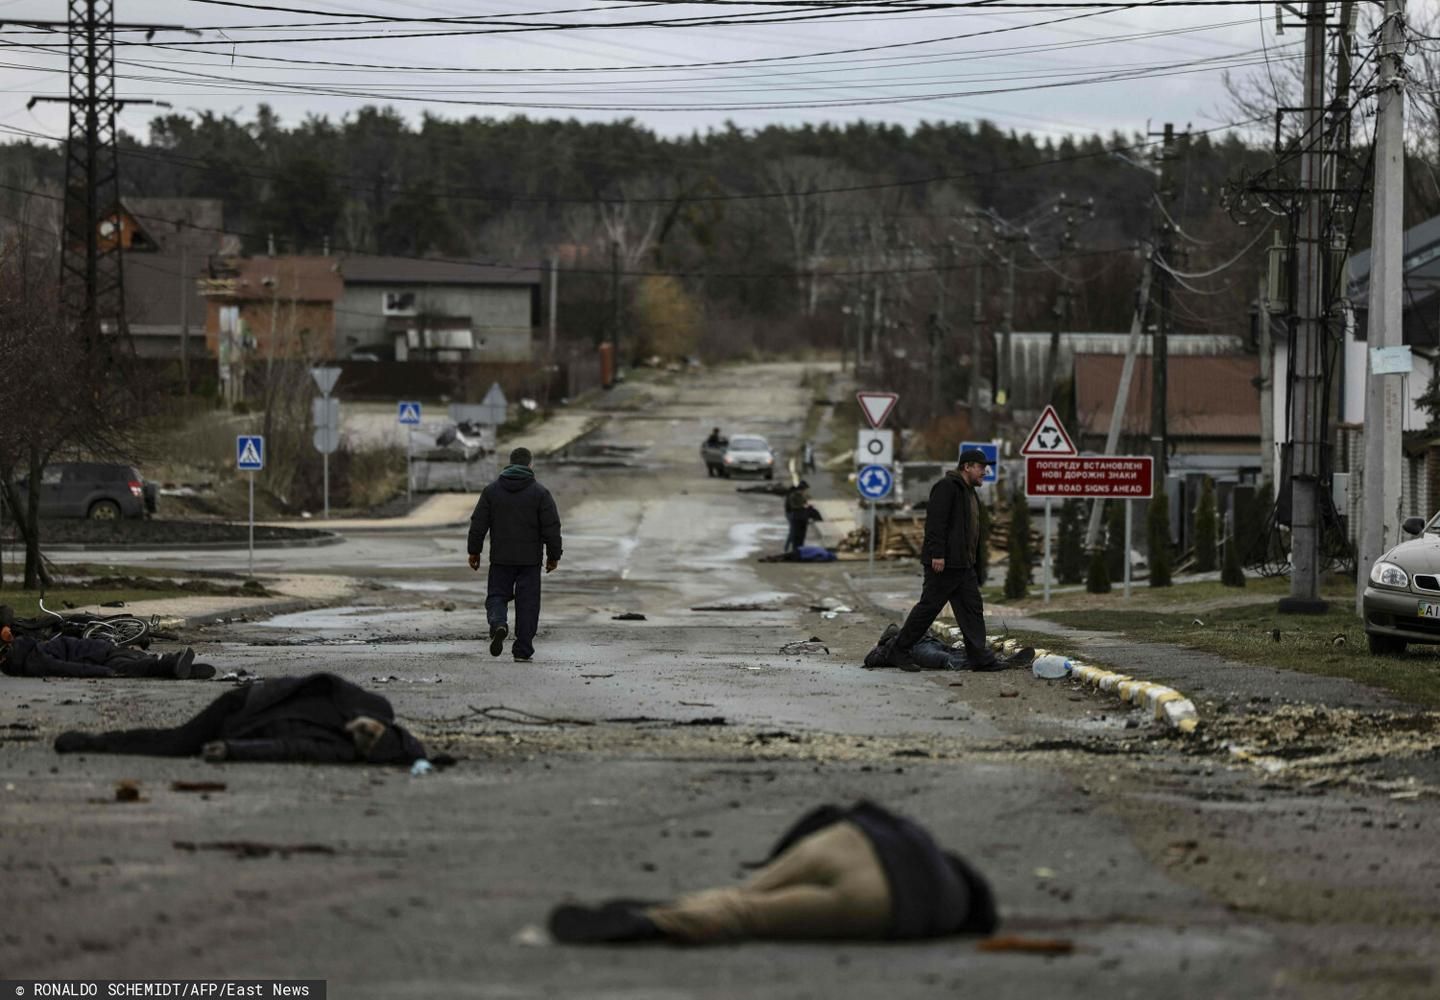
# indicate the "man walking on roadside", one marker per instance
pixel 520 516
pixel 949 557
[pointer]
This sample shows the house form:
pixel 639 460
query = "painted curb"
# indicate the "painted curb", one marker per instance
pixel 1165 703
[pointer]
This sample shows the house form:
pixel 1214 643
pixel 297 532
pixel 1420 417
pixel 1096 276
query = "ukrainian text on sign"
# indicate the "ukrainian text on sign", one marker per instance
pixel 1108 477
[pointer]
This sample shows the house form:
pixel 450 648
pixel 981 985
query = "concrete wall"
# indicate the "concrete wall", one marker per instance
pixel 501 317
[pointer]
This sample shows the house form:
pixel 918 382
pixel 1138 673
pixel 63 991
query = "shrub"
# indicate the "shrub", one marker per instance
pixel 1070 566
pixel 1017 576
pixel 1098 579
pixel 1231 575
pixel 1117 546
pixel 1159 538
pixel 1205 528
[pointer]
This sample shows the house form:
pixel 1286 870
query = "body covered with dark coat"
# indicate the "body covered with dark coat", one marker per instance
pixel 283 718
pixel 70 656
pixel 521 519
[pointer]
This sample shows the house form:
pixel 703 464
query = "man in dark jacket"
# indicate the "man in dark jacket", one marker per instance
pixel 520 516
pixel 949 559
pixel 797 515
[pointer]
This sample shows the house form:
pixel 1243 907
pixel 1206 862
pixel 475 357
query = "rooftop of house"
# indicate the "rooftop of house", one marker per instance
pixel 1206 396
pixel 367 270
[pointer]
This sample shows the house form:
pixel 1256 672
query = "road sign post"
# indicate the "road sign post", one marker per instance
pixel 325 379
pixel 875 448
pixel 1047 439
pixel 1128 507
pixel 408 415
pixel 992 456
pixel 877 406
pixel 250 457
pixel 874 483
pixel 1090 477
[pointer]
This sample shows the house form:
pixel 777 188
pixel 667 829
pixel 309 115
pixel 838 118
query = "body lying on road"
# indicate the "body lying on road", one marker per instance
pixel 318 718
pixel 68 656
pixel 929 653
pixel 861 873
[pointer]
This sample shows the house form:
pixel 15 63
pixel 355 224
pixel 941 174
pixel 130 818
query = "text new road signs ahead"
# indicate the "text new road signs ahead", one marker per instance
pixel 1095 477
pixel 250 452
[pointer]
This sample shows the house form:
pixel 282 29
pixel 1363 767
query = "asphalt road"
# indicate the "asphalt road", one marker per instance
pixel 644 758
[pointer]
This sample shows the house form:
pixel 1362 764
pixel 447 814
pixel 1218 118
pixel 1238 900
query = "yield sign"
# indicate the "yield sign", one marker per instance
pixel 877 406
pixel 1048 437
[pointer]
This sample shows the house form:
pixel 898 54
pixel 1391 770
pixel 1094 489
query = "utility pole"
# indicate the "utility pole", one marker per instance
pixel 186 287
pixel 1380 513
pixel 979 422
pixel 92 289
pixel 615 305
pixel 1160 351
pixel 1007 314
pixel 1307 361
pixel 1122 392
pixel 554 302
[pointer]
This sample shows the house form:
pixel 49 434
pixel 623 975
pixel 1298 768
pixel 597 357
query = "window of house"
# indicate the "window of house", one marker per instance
pixel 399 304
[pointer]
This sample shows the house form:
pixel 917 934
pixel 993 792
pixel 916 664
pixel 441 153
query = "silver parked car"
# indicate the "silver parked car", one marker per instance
pixel 748 453
pixel 1401 605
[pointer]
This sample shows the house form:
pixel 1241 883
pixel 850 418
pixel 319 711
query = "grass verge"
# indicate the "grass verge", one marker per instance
pixel 26 603
pixel 1328 645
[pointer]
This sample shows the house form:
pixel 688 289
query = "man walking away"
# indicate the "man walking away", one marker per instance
pixel 949 558
pixel 520 516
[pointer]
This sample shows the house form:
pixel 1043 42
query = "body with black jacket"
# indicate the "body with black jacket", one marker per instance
pixel 949 557
pixel 522 521
pixel 837 874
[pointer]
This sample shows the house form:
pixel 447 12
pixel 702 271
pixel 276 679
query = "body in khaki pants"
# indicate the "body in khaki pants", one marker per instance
pixel 829 885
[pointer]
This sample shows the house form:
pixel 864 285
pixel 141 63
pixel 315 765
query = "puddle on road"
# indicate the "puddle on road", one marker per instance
pixel 350 617
pixel 747 539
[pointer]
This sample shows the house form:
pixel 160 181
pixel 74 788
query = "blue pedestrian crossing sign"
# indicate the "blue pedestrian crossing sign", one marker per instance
pixel 409 412
pixel 992 455
pixel 874 482
pixel 250 452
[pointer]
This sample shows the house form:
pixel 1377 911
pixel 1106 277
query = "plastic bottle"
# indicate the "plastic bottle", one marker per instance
pixel 1051 667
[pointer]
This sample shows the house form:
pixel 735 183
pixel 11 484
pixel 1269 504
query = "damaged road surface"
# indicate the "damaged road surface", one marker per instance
pixel 642 757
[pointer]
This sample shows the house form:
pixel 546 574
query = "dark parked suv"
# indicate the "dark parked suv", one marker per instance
pixel 103 491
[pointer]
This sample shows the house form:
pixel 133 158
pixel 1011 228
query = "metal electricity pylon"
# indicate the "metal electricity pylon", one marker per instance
pixel 92 286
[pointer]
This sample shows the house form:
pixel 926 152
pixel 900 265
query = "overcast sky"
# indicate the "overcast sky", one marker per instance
pixel 1026 69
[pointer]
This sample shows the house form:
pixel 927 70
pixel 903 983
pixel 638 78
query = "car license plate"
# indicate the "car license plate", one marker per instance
pixel 1428 610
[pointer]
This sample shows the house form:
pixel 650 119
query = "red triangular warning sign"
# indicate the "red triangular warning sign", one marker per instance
pixel 1048 437
pixel 877 406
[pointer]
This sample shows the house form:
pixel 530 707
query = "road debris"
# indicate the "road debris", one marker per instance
pixel 814 644
pixel 628 616
pixel 246 849
pixel 128 790
pixel 197 786
pixel 1027 945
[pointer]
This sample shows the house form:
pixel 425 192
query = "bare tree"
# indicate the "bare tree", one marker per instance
pixel 811 209
pixel 59 392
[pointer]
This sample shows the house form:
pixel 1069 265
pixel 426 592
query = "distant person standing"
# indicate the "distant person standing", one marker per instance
pixel 520 516
pixel 949 557
pixel 807 458
pixel 797 515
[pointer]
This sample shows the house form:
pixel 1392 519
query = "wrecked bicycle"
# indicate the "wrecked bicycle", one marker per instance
pixel 122 629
